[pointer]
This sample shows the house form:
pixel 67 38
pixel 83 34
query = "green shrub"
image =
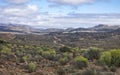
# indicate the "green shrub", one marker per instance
pixel 45 53
pixel 106 58
pixel 115 57
pixel 64 60
pixel 5 50
pixel 66 54
pixel 93 53
pixel 25 59
pixel 49 54
pixel 111 58
pixel 32 67
pixel 81 62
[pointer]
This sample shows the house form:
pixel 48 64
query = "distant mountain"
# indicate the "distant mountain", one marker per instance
pixel 117 31
pixel 15 28
pixel 105 28
pixel 26 29
pixel 98 28
pixel 80 30
pixel 49 30
pixel 18 28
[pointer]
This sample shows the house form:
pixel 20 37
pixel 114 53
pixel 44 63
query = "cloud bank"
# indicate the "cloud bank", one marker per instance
pixel 17 1
pixel 31 14
pixel 74 2
pixel 32 17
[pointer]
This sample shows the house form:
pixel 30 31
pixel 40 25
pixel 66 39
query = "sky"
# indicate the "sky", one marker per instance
pixel 60 13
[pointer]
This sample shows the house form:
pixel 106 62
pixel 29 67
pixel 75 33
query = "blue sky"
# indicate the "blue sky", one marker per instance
pixel 60 13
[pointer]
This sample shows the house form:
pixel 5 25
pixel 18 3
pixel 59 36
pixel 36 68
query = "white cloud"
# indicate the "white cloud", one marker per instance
pixel 32 7
pixel 29 14
pixel 20 10
pixel 17 1
pixel 74 2
pixel 25 14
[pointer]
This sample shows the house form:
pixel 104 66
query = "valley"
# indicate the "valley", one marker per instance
pixel 80 51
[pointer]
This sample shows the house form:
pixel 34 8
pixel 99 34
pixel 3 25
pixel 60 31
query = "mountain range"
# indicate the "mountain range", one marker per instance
pixel 97 28
pixel 17 28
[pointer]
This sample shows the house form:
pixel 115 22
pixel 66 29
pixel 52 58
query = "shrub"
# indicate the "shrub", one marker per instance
pixel 111 58
pixel 115 57
pixel 25 58
pixel 5 50
pixel 49 54
pixel 32 67
pixel 106 58
pixel 2 41
pixel 76 51
pixel 45 54
pixel 66 54
pixel 93 53
pixel 81 62
pixel 65 49
pixel 64 60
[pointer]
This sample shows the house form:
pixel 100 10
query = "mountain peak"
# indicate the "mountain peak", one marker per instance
pixel 101 26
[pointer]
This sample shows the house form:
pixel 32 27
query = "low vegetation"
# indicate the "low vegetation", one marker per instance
pixel 21 57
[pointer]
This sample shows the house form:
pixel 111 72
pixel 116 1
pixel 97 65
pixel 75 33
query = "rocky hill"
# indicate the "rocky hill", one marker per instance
pixel 15 28
pixel 97 28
